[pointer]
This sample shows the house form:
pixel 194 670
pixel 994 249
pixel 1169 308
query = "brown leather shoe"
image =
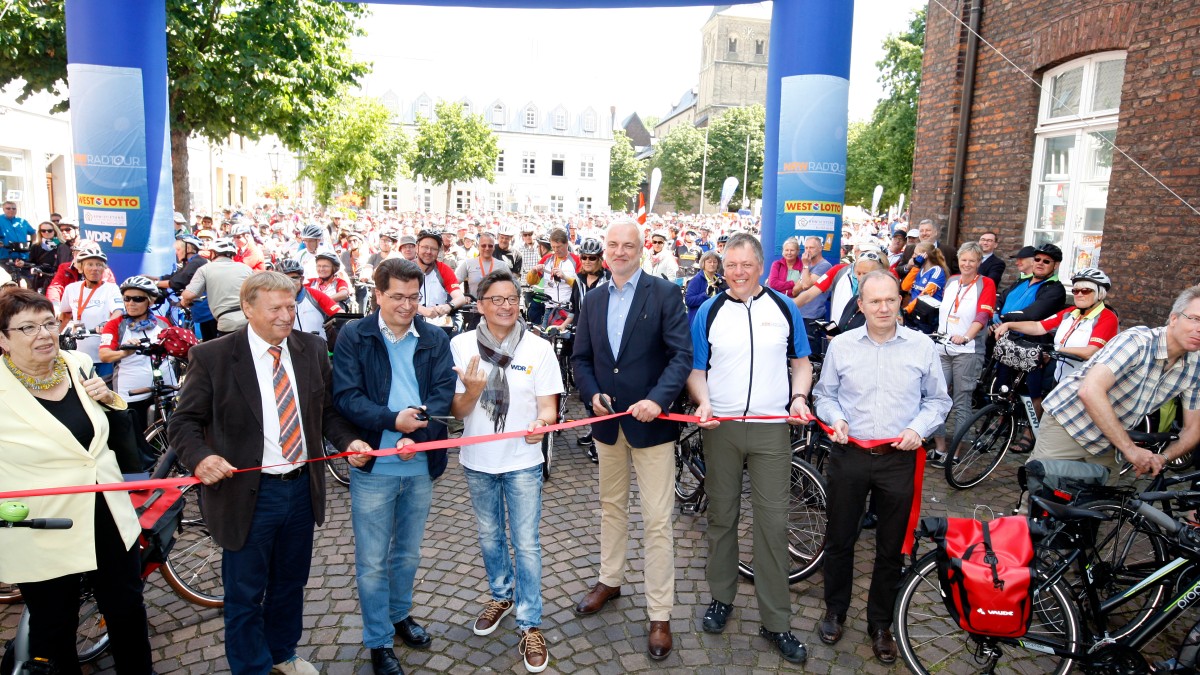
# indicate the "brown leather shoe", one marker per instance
pixel 594 601
pixel 658 645
pixel 830 628
pixel 884 645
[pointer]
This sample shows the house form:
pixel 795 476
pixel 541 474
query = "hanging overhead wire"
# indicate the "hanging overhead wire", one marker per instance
pixel 1059 102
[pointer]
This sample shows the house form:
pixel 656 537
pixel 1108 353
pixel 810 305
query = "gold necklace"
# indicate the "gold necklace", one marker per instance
pixel 31 382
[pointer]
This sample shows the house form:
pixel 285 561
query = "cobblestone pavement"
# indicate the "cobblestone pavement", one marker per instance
pixel 451 587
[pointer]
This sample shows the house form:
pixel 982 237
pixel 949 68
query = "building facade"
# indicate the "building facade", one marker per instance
pixel 36 170
pixel 1093 151
pixel 734 46
pixel 553 159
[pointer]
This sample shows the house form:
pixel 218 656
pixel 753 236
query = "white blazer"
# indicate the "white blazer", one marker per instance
pixel 38 451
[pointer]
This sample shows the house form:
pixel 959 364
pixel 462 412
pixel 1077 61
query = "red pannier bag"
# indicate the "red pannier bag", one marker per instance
pixel 160 512
pixel 986 570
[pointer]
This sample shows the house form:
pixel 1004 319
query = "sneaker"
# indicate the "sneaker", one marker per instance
pixel 591 453
pixel 787 644
pixel 715 616
pixel 938 460
pixel 585 439
pixel 533 649
pixel 490 617
pixel 294 666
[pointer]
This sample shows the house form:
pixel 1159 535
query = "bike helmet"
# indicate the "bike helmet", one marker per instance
pixel 240 229
pixel 223 246
pixel 391 234
pixel 508 231
pixel 140 283
pixel 90 252
pixel 723 239
pixel 191 240
pixel 591 247
pixel 1051 250
pixel 1093 275
pixel 312 231
pixel 331 257
pixel 430 234
pixel 289 266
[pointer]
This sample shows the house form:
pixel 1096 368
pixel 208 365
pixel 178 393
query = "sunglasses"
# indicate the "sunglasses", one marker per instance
pixel 589 257
pixel 658 243
pixel 135 298
pixel 46 232
pixel 1082 291
pixel 1043 261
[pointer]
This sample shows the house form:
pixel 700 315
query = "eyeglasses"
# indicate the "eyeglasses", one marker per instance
pixel 64 228
pixel 135 298
pixel 1189 317
pixel 51 327
pixel 658 243
pixel 1043 261
pixel 587 258
pixel 1082 291
pixel 402 299
pixel 502 300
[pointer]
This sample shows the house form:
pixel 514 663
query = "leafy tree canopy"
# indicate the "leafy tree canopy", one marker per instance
pixel 625 174
pixel 355 145
pixel 453 147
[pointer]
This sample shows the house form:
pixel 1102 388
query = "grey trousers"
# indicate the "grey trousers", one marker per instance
pixel 962 374
pixel 767 454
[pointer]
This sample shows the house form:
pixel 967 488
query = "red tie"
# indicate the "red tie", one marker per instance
pixel 285 401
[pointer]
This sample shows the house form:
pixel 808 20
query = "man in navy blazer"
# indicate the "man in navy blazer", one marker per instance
pixel 633 350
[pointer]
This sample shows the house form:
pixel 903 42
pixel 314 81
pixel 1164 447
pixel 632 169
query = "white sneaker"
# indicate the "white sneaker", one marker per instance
pixel 295 666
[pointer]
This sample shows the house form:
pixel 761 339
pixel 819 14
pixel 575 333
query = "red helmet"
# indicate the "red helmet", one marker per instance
pixel 177 341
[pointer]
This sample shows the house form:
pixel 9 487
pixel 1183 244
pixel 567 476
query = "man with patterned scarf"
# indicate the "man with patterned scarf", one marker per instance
pixel 508 381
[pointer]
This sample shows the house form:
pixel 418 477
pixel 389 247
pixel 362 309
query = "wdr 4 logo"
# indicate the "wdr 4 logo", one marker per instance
pixel 994 612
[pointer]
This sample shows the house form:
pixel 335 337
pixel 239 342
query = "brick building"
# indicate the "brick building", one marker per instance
pixel 1038 161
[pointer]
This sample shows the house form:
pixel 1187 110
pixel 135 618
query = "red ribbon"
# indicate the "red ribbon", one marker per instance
pixel 473 440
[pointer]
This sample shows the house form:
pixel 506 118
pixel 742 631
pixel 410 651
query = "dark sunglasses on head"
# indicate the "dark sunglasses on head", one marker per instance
pixel 135 298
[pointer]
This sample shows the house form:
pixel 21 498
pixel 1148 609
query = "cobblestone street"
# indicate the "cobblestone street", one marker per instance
pixel 451 588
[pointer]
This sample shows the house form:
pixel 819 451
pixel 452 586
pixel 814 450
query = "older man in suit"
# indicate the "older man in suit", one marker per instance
pixel 269 379
pixel 632 352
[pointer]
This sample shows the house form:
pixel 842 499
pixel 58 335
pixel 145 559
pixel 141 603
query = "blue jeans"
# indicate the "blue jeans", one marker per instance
pixel 388 514
pixel 519 493
pixel 265 579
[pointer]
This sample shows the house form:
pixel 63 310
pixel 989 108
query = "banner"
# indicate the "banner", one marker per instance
pixel 110 156
pixel 811 167
pixel 727 189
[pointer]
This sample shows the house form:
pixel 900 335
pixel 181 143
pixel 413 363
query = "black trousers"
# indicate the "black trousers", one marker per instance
pixel 853 473
pixel 117 583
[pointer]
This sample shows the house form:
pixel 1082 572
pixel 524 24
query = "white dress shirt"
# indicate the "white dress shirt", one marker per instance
pixel 264 366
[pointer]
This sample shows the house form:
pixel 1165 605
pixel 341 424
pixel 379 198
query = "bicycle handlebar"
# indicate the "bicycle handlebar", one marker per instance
pixel 42 523
pixel 1162 520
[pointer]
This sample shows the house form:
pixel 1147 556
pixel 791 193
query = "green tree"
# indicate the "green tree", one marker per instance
pixel 246 68
pixel 355 145
pixel 727 154
pixel 882 152
pixel 625 172
pixel 453 147
pixel 679 154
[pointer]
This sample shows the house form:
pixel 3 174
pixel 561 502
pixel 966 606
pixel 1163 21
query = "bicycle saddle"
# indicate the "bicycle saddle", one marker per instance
pixel 1066 512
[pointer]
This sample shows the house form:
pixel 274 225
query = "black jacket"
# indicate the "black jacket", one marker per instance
pixel 993 268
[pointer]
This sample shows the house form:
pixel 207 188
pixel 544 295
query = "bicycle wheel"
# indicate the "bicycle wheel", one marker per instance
pixel 9 593
pixel 807 520
pixel 156 438
pixel 193 567
pixel 91 638
pixel 1128 550
pixel 977 449
pixel 931 642
pixel 689 464
pixel 338 468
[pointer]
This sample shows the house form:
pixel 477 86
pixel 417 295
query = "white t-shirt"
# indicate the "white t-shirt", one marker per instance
pixel 532 373
pixel 98 307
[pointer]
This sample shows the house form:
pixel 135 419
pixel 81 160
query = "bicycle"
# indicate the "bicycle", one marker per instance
pixel 559 341
pixel 807 504
pixel 193 567
pixel 1065 629
pixel 983 441
pixel 164 396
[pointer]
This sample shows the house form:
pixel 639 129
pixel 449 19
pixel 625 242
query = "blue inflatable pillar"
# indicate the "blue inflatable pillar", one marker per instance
pixel 117 75
pixel 808 85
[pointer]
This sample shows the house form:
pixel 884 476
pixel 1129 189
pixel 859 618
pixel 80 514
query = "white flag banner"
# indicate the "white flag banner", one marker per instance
pixel 875 199
pixel 729 187
pixel 655 181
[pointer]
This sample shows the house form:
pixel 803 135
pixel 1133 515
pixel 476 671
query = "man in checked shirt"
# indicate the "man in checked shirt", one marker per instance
pixel 1136 373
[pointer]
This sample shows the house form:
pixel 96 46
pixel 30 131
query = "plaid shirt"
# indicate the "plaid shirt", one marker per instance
pixel 529 259
pixel 1138 359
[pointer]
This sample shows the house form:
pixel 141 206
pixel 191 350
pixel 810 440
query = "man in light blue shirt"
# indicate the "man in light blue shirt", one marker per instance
pixel 878 381
pixel 620 299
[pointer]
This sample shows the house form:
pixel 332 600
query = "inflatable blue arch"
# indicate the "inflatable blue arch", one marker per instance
pixel 117 72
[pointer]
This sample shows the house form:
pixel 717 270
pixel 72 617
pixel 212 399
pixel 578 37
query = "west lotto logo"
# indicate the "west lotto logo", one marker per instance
pixel 994 612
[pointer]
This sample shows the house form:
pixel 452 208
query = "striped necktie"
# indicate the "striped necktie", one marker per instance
pixel 285 401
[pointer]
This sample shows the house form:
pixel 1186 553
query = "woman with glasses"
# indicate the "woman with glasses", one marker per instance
pixel 121 336
pixel 704 285
pixel 660 259
pixel 966 309
pixel 43 254
pixel 55 434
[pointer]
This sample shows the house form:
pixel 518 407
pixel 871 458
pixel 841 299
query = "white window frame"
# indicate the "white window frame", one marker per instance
pixel 585 204
pixel 389 198
pixel 500 162
pixel 498 115
pixel 531 116
pixel 557 204
pixel 1080 247
pixel 463 200
pixel 587 166
pixel 589 121
pixel 529 163
pixel 560 120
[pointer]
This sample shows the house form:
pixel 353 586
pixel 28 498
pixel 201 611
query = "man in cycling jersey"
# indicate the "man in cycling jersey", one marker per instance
pixel 1136 373
pixel 556 272
pixel 313 307
pixel 440 294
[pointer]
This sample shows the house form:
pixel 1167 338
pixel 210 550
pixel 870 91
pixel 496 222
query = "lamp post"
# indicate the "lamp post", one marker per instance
pixel 273 158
